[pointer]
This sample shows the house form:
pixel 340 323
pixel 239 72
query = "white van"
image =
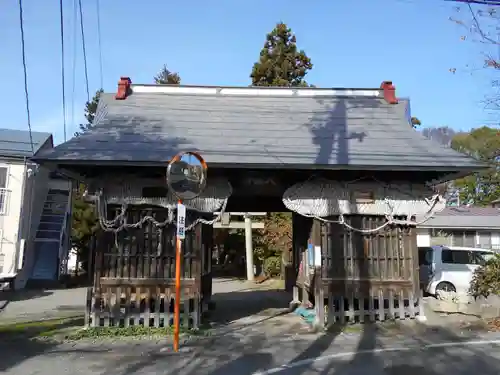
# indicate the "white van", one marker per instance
pixel 449 268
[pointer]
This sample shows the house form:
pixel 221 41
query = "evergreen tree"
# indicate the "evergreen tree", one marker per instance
pixel 483 144
pixel 90 110
pixel 280 62
pixel 83 225
pixel 84 219
pixel 166 76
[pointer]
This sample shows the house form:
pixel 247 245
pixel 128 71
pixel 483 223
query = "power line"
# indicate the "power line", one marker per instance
pixel 481 2
pixel 23 49
pixel 73 70
pixel 99 39
pixel 84 50
pixel 61 14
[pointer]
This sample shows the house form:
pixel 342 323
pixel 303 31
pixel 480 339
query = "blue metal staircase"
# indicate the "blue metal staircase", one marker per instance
pixel 49 246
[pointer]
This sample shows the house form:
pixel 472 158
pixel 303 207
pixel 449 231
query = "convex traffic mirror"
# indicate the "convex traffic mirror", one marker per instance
pixel 187 175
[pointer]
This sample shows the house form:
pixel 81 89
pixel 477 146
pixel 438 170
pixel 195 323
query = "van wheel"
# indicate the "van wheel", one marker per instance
pixel 445 287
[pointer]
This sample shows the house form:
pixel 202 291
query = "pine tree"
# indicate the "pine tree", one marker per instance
pixel 90 111
pixel 166 76
pixel 84 219
pixel 280 62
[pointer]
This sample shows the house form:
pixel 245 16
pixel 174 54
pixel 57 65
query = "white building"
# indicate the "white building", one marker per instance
pixel 34 211
pixel 462 226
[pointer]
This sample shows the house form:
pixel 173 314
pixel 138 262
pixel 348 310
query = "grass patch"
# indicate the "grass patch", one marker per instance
pixel 41 328
pixel 71 329
pixel 133 331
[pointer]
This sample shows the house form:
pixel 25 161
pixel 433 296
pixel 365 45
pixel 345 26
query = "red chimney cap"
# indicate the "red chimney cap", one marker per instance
pixel 123 88
pixel 389 92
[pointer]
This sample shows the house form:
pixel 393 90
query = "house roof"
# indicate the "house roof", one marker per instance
pixel 465 218
pixel 257 127
pixel 17 143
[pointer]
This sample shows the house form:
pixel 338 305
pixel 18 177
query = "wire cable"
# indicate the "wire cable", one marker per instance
pixel 99 40
pixel 23 49
pixel 480 2
pixel 84 50
pixel 63 73
pixel 73 69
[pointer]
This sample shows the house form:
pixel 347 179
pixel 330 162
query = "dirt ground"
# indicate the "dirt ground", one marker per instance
pixel 237 301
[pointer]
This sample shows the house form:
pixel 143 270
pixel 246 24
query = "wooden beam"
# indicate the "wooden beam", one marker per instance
pixel 237 225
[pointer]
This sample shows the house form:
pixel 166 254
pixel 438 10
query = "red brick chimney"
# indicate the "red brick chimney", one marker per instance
pixel 389 92
pixel 123 88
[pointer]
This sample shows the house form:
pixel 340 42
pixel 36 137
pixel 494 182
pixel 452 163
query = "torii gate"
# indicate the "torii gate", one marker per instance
pixel 248 225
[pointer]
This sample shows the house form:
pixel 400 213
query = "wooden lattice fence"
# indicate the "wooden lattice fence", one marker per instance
pixel 134 277
pixel 363 276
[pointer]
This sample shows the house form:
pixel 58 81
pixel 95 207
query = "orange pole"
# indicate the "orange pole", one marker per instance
pixel 177 306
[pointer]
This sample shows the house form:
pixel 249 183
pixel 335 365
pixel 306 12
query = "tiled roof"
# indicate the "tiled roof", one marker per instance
pixel 16 143
pixel 251 126
pixel 465 217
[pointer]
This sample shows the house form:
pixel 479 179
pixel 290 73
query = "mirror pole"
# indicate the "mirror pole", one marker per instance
pixel 181 221
pixel 177 306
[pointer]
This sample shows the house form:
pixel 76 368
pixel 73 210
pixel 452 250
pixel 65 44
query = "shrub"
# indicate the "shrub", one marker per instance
pixel 272 266
pixel 486 279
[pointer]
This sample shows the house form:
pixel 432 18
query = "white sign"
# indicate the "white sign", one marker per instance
pixel 317 256
pixel 181 221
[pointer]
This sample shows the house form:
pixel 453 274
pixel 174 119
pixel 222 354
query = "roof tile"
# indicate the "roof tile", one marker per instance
pixel 259 130
pixel 17 144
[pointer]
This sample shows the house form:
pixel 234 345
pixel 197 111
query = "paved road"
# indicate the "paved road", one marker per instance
pixel 259 344
pixel 246 354
pixel 32 305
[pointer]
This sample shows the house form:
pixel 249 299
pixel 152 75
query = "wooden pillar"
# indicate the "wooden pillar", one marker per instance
pixel 319 298
pixel 249 248
pixel 306 297
pixel 206 269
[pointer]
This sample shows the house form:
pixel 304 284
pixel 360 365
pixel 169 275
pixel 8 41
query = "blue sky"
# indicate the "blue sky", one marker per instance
pixel 351 44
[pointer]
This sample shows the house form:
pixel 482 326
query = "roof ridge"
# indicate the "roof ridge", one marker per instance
pixel 254 87
pixel 25 131
pixel 386 91
pixel 256 91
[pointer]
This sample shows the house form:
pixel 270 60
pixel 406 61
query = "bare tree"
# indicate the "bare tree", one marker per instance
pixel 481 25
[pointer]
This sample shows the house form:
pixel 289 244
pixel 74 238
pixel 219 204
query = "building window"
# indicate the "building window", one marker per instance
pixel 464 238
pixel 441 237
pixel 484 240
pixel 3 190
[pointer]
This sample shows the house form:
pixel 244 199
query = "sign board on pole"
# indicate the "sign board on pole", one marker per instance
pixel 181 221
pixel 310 255
pixel 317 256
